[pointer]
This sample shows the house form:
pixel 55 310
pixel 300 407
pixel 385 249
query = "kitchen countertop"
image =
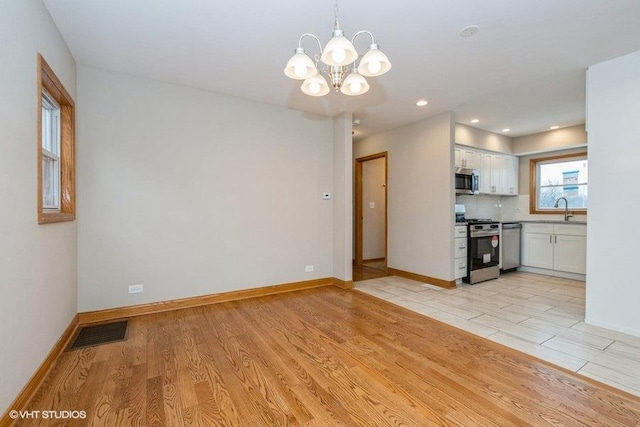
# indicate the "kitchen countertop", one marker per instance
pixel 549 221
pixel 534 221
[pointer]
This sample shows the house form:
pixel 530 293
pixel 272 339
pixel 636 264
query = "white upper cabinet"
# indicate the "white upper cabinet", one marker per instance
pixel 467 158
pixel 491 174
pixel 509 178
pixel 498 172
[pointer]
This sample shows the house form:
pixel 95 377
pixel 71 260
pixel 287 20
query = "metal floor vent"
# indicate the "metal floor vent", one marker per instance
pixel 100 334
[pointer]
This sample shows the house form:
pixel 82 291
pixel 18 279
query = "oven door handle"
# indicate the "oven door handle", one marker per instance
pixel 483 234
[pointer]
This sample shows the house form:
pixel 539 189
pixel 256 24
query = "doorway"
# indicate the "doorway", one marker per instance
pixel 371 217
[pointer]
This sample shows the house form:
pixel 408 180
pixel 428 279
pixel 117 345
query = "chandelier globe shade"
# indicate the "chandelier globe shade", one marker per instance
pixel 315 86
pixel 300 66
pixel 374 63
pixel 354 85
pixel 339 51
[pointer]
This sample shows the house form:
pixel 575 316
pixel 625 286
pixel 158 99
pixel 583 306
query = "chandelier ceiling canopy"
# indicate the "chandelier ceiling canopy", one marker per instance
pixel 338 62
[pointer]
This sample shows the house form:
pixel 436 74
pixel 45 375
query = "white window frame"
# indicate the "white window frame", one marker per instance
pixel 50 139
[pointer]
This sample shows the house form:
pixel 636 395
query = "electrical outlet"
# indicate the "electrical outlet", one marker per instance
pixel 136 289
pixel 308 268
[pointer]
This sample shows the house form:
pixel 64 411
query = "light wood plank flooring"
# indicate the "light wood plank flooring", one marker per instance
pixel 319 357
pixel 540 315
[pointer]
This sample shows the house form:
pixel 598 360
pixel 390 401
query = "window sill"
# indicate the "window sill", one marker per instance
pixel 558 212
pixel 51 217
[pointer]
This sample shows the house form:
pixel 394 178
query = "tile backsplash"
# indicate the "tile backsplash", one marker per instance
pixel 505 208
pixel 481 206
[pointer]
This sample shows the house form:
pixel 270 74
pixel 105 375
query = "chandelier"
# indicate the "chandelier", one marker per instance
pixel 338 62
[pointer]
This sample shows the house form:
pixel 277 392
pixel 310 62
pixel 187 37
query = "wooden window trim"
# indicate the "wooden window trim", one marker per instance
pixel 47 79
pixel 533 179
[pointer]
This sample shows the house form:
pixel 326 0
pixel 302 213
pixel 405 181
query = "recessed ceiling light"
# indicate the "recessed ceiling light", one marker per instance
pixel 355 122
pixel 469 31
pixel 422 102
pixel 554 127
pixel 475 120
pixel 506 130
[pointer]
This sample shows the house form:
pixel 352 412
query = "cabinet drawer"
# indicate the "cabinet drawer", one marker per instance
pixel 538 228
pixel 570 229
pixel 461 231
pixel 460 248
pixel 461 268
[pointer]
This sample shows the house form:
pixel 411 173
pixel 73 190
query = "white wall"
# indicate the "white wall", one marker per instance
pixel 342 197
pixel 37 262
pixel 373 217
pixel 613 292
pixel 193 193
pixel 420 194
pixel 478 138
pixel 553 140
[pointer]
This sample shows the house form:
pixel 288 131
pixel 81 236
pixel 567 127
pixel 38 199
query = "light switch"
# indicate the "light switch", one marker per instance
pixel 372 205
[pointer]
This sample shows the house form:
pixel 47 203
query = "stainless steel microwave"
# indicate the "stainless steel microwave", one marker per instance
pixel 467 181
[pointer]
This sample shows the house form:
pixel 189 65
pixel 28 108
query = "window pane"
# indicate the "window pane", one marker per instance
pixel 46 128
pixel 557 178
pixel 576 197
pixel 50 179
pixel 565 173
pixel 50 124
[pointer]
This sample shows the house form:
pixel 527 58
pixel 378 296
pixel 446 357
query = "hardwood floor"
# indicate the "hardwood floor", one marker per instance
pixel 318 357
pixel 370 270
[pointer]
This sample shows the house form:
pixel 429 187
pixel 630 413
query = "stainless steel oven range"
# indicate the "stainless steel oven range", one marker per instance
pixel 483 253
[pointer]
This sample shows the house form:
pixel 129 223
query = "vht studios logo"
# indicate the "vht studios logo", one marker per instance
pixel 48 415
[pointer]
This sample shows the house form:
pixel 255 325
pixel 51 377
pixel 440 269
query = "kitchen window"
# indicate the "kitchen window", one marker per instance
pixel 56 148
pixel 559 176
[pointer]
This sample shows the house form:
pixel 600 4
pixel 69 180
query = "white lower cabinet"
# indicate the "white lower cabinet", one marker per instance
pixel 460 251
pixel 570 254
pixel 537 250
pixel 561 247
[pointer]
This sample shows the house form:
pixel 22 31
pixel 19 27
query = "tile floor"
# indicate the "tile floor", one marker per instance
pixel 539 315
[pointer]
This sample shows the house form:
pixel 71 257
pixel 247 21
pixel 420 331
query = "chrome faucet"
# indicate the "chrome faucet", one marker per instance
pixel 567 215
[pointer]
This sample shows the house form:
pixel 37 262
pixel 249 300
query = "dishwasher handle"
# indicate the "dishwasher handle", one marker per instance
pixel 511 225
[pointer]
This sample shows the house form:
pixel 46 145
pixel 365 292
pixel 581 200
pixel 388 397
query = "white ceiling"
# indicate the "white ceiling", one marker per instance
pixel 525 69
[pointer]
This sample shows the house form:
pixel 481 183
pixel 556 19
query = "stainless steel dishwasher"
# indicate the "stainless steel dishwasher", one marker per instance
pixel 510 245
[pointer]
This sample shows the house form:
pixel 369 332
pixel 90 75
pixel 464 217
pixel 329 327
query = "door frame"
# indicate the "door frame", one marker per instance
pixel 359 211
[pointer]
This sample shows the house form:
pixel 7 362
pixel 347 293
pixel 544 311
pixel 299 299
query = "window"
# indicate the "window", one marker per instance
pixel 50 152
pixel 559 176
pixel 56 148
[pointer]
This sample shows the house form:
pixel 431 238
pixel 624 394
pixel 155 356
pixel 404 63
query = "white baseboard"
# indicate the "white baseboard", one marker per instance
pixel 617 328
pixel 554 273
